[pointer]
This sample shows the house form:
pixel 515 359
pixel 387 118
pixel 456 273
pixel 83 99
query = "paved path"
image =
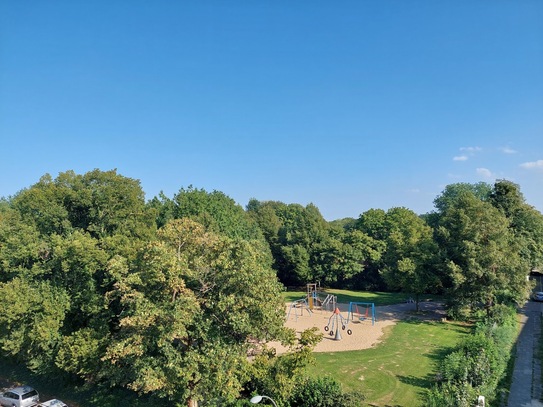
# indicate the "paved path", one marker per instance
pixel 526 386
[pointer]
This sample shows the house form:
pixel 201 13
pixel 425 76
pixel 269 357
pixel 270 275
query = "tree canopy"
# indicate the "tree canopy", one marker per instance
pixel 172 296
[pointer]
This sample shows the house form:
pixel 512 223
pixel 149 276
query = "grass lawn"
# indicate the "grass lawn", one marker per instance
pixel 346 296
pixel 397 371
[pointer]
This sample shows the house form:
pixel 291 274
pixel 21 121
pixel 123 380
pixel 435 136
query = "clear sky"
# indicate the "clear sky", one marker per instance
pixel 349 105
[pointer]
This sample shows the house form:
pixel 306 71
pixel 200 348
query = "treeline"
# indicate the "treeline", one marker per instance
pixel 477 247
pixel 169 296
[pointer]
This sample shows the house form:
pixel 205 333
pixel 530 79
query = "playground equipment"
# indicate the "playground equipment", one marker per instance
pixel 334 324
pixel 312 295
pixel 316 301
pixel 299 306
pixel 366 307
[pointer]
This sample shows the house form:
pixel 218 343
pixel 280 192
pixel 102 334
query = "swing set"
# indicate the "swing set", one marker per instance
pixel 361 311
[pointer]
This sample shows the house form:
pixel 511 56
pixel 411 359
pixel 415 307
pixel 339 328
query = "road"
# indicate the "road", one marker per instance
pixel 526 388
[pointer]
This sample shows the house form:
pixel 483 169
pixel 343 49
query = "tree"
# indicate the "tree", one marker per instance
pixel 341 259
pixel 296 236
pixel 110 299
pixel 33 314
pixel 194 305
pixel 101 203
pixel 214 210
pixel 526 223
pixel 453 192
pixel 373 224
pixel 483 259
pixel 410 256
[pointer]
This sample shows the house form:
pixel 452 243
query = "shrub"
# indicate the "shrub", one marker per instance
pixel 477 364
pixel 324 392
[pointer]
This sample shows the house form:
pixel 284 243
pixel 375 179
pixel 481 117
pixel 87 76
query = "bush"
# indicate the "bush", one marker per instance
pixel 324 392
pixel 477 364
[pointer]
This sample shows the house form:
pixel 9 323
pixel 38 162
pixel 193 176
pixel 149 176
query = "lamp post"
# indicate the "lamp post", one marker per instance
pixel 257 399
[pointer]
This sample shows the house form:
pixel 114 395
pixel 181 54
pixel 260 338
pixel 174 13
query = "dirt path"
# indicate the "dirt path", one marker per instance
pixel 364 333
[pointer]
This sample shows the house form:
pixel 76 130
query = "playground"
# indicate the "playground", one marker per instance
pixel 365 322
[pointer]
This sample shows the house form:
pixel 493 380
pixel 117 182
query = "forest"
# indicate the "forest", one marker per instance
pixel 177 296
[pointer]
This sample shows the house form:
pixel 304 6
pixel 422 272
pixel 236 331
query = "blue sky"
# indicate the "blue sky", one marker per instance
pixel 349 105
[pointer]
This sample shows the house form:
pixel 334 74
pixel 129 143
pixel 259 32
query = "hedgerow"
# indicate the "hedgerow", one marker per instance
pixel 477 365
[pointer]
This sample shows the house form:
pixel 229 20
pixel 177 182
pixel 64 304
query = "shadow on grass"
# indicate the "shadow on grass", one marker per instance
pixel 74 393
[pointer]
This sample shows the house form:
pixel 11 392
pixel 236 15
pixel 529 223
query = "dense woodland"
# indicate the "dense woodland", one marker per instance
pixel 169 296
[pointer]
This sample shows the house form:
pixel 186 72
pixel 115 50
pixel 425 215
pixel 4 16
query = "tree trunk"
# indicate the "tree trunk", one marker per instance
pixel 192 403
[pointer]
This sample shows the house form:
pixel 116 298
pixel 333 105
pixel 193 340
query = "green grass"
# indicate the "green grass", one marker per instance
pixel 398 370
pixel 346 296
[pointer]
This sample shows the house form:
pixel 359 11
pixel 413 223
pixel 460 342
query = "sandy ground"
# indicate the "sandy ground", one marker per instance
pixel 364 333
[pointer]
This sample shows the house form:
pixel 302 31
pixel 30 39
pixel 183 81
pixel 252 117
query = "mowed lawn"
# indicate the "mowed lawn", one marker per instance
pixel 397 371
pixel 347 296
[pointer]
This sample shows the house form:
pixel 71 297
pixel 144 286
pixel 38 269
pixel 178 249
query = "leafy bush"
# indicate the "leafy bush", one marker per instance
pixel 477 364
pixel 324 392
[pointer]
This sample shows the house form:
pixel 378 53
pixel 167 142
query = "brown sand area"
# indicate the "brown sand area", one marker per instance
pixel 365 334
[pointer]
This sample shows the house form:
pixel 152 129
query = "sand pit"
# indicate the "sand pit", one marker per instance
pixel 364 334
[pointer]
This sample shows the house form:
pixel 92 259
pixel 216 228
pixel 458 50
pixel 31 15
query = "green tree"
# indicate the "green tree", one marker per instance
pixel 296 235
pixel 33 314
pixel 273 375
pixel 341 259
pixel 483 257
pixel 526 223
pixel 372 223
pixel 453 192
pixel 194 305
pixel 100 203
pixel 57 238
pixel 214 210
pixel 410 258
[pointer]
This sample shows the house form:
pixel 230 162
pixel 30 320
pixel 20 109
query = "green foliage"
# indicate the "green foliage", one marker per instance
pixel 169 297
pixel 483 257
pixel 190 304
pixel 33 314
pixel 372 224
pixel 526 223
pixel 324 392
pixel 99 293
pixel 410 258
pixel 453 192
pixel 214 210
pixel 306 248
pixel 479 362
pixel 279 376
pixel 100 203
